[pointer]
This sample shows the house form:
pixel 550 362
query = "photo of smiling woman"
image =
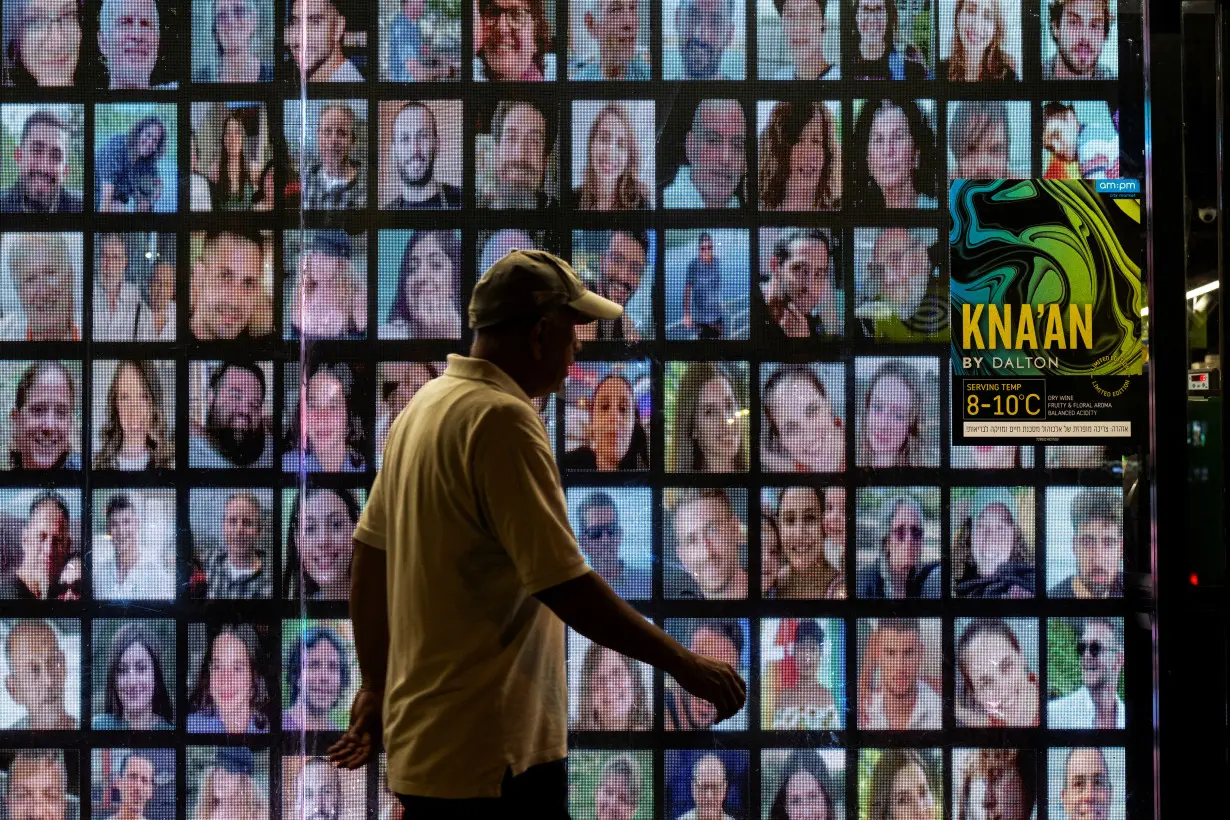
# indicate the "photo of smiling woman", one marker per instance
pixel 899 543
pixel 232 41
pixel 892 155
pixel 514 40
pixel 613 693
pixel 980 40
pixel 325 431
pixel 993 542
pixel 133 433
pixel 420 282
pixel 898 412
pixel 42 427
pixel 706 417
pixel 803 419
pixel 318 548
pixel 997 672
pixel 134 676
pixel 800 155
pixel 42 42
pixel 230 684
pixel 606 417
pixel 901 784
pixel 812 565
pixel 612 158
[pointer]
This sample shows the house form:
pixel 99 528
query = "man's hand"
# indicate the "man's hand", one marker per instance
pixel 713 681
pixel 357 744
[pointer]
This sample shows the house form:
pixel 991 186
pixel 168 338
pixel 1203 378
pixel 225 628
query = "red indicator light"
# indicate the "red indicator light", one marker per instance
pixel 1195 579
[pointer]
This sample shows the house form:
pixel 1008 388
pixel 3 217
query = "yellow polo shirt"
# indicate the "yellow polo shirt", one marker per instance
pixel 469 511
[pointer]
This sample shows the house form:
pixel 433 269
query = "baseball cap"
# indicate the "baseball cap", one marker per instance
pixel 524 282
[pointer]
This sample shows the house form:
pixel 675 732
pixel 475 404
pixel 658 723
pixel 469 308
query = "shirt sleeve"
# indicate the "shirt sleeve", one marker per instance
pixel 519 495
pixel 371 528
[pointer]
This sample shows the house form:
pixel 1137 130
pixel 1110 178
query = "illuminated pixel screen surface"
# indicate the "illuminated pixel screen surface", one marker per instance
pixel 239 235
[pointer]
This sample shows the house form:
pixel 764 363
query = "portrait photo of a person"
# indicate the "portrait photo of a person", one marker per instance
pixel 230 415
pixel 707 417
pixel 315 789
pixel 40 532
pixel 1080 40
pixel 1087 781
pixel 609 692
pixel 980 40
pixel 134 545
pixel 901 292
pixel 1080 139
pixel 233 541
pixel 43 423
pixel 609 40
pixel 802 674
pixel 708 275
pixel 514 40
pixel 799 155
pixel 135 157
pixel 40 287
pixel 893 162
pixel 902 784
pixel 232 146
pixel 1001 783
pixel 988 139
pixel 612 158
pixel 703 40
pixel 803 784
pixel 331 163
pixel 607 417
pixel 134 412
pixel 619 265
pixel 705 158
pixel 891 39
pixel 134 287
pixel 232 41
pixel 45 174
pixel 613 785
pixel 134 676
pixel 40 783
pixel 420 41
pixel 231 284
pixel 326 40
pixel 900 675
pixel 325 284
pixel 707 785
pixel 420 284
pixel 40 667
pixel 325 429
pixel 317 675
pixel 1084 542
pixel 997 672
pixel 803 418
pixel 229 684
pixel 138 50
pixel 42 43
pixel 897 422
pixel 898 543
pixel 993 542
pixel 813 566
pixel 421 163
pixel 134 784
pixel 613 529
pixel 1085 674
pixel 516 163
pixel 318 549
pixel 226 782
pixel 706 543
pixel 798 40
pixel 801 284
pixel 398 382
pixel 723 639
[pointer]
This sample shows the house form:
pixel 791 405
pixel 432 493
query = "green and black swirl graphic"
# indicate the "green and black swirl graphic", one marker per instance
pixel 1037 243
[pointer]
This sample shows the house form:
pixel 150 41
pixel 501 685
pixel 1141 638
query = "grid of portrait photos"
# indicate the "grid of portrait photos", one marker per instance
pixel 239 235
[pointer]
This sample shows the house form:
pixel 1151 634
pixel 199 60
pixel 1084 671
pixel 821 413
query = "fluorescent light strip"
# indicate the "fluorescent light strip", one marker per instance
pixel 1194 293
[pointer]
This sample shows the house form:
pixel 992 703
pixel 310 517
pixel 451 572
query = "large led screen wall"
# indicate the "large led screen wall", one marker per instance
pixel 238 235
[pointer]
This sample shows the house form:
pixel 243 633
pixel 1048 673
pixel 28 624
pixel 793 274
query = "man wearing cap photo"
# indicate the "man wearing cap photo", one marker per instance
pixel 466 528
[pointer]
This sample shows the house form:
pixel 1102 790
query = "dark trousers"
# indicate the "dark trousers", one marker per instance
pixel 540 793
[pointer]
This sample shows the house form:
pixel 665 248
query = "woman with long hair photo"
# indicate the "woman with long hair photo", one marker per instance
pixel 800 159
pixel 893 159
pixel 427 302
pixel 42 43
pixel 234 178
pixel 137 698
pixel 135 435
pixel 978 54
pixel 318 548
pixel 611 181
pixel 613 695
pixel 708 434
pixel 231 694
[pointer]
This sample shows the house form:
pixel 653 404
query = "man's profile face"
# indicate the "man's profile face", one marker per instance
pixel 36 791
pixel 322 676
pixel 808 273
pixel 622 267
pixel 42 163
pixel 709 786
pixel 1099 553
pixel 716 151
pixel 1086 786
pixel 43 426
pixel 129 43
pixel 44 280
pixel 320 793
pixel 601 535
pixel 1080 34
pixel 521 153
pixel 714 645
pixel 44 537
pixel 335 138
pixel 314 31
pixel 37 671
pixel 705 30
pixel 614 26
pixel 229 287
pixel 900 659
pixel 136 784
pixel 707 537
pixel 414 146
pixel 241 527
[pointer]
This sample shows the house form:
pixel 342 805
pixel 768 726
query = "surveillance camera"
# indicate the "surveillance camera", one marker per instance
pixel 1207 215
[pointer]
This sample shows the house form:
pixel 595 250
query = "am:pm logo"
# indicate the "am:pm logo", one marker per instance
pixel 1121 187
